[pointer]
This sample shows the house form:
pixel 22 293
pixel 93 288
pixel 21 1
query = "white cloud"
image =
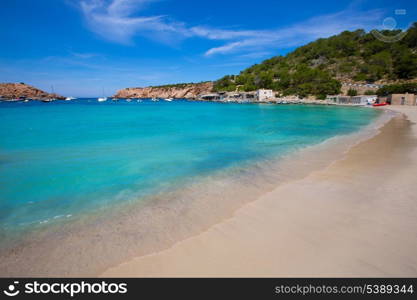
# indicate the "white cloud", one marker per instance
pixel 301 33
pixel 83 55
pixel 221 34
pixel 253 55
pixel 116 20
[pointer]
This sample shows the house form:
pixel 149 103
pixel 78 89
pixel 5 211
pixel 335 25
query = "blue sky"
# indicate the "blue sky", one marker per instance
pixel 82 46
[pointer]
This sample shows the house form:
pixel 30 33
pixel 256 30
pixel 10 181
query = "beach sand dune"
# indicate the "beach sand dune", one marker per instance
pixel 356 217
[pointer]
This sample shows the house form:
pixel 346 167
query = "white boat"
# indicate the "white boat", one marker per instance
pixel 69 98
pixel 115 99
pixel 155 99
pixel 128 100
pixel 102 99
pixel 168 99
pixel 51 95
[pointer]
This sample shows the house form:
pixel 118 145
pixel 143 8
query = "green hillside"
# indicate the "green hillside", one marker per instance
pixel 319 67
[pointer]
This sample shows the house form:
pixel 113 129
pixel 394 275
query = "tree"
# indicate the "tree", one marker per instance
pixel 352 92
pixel 226 83
pixel 411 37
pixel 405 65
pixel 397 89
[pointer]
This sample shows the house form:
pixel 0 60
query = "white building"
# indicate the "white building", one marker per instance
pixel 358 100
pixel 210 97
pixel 338 99
pixel 264 95
pixel 363 99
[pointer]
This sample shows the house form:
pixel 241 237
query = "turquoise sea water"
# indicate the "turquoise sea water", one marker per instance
pixel 61 159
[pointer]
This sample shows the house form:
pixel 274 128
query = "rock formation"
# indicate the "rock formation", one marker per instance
pixel 20 90
pixel 186 90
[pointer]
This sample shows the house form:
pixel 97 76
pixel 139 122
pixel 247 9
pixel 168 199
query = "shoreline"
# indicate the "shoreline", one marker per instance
pixel 89 248
pixel 277 101
pixel 355 217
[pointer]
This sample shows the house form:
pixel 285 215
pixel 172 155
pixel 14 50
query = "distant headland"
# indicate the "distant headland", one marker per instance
pixel 176 91
pixel 22 91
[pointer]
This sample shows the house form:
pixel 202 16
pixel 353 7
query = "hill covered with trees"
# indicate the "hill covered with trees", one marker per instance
pixel 319 67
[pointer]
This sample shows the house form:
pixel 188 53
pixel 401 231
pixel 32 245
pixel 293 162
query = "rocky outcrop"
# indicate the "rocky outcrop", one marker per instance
pixel 10 91
pixel 186 90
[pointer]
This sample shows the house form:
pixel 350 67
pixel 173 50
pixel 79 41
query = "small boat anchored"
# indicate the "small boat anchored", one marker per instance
pixel 70 98
pixel 51 96
pixel 168 99
pixel 102 99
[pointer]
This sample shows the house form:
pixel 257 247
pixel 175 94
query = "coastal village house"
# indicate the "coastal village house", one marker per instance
pixel 402 99
pixel 231 97
pixel 210 97
pixel 363 99
pixel 338 99
pixel 264 95
pixel 240 97
pixel 358 100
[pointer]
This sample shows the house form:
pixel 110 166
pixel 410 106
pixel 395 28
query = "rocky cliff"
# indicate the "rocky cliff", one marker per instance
pixel 21 90
pixel 182 90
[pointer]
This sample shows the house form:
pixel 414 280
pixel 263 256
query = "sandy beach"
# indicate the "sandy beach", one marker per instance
pixel 356 217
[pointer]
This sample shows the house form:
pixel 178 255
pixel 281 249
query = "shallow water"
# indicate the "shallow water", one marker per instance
pixel 66 159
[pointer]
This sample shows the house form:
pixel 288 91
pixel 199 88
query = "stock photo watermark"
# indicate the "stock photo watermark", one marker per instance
pixel 70 289
pixel 390 24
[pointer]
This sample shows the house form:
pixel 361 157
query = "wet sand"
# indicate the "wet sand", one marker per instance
pixel 356 217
